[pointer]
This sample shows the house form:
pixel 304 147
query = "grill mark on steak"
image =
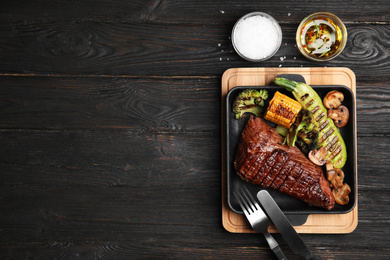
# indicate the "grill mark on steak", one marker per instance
pixel 258 164
pixel 265 167
pixel 261 159
pixel 291 180
pixel 250 168
pixel 276 168
pixel 280 178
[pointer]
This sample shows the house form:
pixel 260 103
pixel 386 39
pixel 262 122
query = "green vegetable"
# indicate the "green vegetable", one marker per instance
pixel 307 132
pixel 303 133
pixel 329 135
pixel 249 100
pixel 282 130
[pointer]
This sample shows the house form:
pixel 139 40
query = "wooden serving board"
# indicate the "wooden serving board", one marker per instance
pixel 316 223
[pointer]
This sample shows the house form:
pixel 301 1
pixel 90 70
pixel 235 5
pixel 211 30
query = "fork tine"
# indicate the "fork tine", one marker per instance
pixel 251 201
pixel 247 202
pixel 241 200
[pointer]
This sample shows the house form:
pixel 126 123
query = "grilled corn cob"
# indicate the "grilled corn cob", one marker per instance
pixel 282 110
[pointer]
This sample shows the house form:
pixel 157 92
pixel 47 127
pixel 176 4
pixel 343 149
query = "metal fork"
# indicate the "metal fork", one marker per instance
pixel 257 219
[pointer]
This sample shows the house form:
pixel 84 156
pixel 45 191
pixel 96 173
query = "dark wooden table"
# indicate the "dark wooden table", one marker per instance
pixel 110 127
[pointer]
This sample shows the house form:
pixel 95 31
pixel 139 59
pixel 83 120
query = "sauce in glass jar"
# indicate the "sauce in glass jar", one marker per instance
pixel 321 37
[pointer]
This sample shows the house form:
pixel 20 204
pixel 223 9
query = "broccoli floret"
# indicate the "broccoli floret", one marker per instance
pixel 249 100
pixel 304 132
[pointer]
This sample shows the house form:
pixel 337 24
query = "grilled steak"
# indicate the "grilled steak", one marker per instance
pixel 261 159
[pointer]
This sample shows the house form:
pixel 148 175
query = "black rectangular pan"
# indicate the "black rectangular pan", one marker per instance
pixel 292 207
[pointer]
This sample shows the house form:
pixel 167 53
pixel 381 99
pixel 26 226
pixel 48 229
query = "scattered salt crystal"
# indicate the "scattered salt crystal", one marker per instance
pixel 289 14
pixel 295 58
pixel 256 37
pixel 222 12
pixel 219 45
pixel 280 65
pixel 220 59
pixel 281 59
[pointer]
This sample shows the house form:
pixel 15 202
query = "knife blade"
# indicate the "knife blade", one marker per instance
pixel 284 226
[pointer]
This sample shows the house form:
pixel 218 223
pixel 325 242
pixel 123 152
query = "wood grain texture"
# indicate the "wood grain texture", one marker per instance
pixel 144 104
pixel 156 50
pixel 110 127
pixel 113 215
pixel 201 11
pixel 107 159
pixel 132 103
pixel 37 152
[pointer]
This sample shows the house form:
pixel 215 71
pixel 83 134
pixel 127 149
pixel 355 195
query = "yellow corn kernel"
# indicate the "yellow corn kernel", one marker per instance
pixel 282 110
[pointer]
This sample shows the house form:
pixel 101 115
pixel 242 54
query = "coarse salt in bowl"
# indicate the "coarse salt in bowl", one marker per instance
pixel 256 36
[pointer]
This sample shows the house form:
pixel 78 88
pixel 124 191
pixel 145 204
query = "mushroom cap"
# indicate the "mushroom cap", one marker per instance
pixel 333 99
pixel 341 195
pixel 340 115
pixel 335 177
pixel 318 157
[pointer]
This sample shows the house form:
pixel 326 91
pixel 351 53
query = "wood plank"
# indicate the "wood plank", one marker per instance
pixel 373 110
pixel 71 216
pixel 138 104
pixel 106 159
pixel 151 249
pixel 112 213
pixel 32 158
pixel 156 50
pixel 201 12
pixel 144 104
pixel 125 213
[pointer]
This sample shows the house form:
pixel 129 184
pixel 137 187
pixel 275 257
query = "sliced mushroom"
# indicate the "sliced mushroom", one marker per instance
pixel 329 166
pixel 333 99
pixel 318 157
pixel 341 195
pixel 340 116
pixel 335 177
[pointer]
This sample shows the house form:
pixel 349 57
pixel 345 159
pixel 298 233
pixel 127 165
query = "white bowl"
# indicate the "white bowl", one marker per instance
pixel 256 36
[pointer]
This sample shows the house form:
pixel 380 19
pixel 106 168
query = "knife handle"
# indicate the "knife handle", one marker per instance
pixel 279 253
pixel 274 246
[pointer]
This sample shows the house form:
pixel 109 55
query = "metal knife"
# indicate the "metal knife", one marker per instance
pixel 283 225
